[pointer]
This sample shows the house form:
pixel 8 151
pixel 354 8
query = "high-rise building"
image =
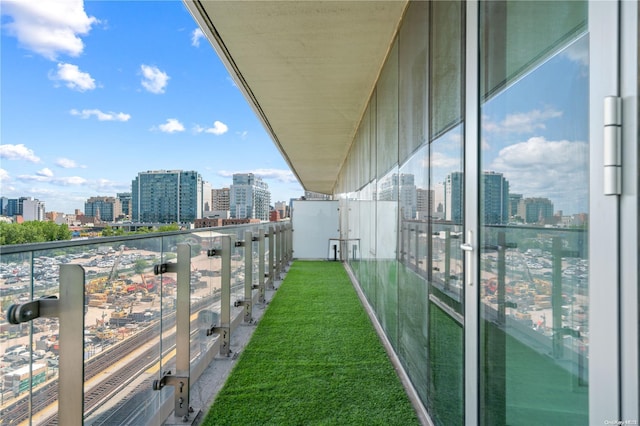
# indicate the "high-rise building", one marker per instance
pixel 32 209
pixel 495 202
pixel 424 203
pixel 14 206
pixel 207 197
pixel 535 210
pixel 400 187
pixel 106 209
pixel 220 199
pixel 4 201
pixel 283 208
pixel 27 207
pixel 438 202
pixel 514 201
pixel 166 196
pixel 453 197
pixel 249 197
pixel 125 202
pixel 407 194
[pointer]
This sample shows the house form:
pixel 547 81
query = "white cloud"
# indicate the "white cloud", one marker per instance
pixel 171 126
pixel 71 180
pixel 196 35
pixel 153 79
pixel 36 177
pixel 46 172
pixel 539 168
pixel 441 160
pixel 521 122
pixel 277 174
pixel 109 186
pixel 42 177
pixel 4 175
pixel 101 116
pixel 578 52
pixel 538 151
pixel 73 77
pixel 18 152
pixel 243 135
pixel 219 128
pixel 49 28
pixel 280 175
pixel 67 163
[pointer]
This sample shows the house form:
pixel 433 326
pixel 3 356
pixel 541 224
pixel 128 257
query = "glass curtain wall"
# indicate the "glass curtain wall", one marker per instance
pixel 534 174
pixel 387 207
pixel 401 192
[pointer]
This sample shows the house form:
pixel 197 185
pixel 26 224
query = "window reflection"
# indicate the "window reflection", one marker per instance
pixel 534 257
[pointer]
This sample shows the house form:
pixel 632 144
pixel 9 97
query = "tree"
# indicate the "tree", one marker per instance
pixel 140 266
pixel 110 232
pixel 32 232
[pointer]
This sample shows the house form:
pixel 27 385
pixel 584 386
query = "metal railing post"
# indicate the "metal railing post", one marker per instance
pixel 447 259
pixel 228 242
pixel 71 361
pixel 285 244
pixel 289 242
pixel 181 380
pixel 271 280
pixel 417 247
pixel 69 309
pixel 183 345
pixel 278 241
pixel 248 276
pixel 261 276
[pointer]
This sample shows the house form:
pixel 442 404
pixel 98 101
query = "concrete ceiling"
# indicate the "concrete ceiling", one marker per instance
pixel 308 69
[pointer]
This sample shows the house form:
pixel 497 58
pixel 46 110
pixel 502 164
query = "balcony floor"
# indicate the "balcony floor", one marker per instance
pixel 314 358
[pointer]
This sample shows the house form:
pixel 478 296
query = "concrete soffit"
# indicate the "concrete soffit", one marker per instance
pixel 307 68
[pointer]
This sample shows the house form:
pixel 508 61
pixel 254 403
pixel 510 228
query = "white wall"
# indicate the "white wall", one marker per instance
pixel 314 223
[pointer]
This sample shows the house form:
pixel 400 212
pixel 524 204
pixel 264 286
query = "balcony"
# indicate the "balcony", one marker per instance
pixel 144 316
pixel 487 320
pixel 157 322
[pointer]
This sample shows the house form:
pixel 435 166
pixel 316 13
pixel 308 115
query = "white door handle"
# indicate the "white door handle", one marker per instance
pixel 468 257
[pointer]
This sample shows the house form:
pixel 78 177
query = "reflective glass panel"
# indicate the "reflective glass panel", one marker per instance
pixel 534 214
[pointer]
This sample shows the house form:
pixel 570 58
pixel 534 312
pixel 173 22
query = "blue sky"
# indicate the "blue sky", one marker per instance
pixel 536 131
pixel 94 92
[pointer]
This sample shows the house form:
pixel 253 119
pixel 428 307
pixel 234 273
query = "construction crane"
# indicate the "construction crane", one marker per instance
pixel 114 268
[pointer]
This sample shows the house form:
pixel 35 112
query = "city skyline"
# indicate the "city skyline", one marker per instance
pixel 95 92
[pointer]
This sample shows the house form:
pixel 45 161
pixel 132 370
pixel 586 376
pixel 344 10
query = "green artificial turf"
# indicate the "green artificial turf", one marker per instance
pixel 314 359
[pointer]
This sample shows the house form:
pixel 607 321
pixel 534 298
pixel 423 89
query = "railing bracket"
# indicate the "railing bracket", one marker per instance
pixel 239 303
pixel 165 267
pixel 181 392
pixel 45 307
pixel 214 252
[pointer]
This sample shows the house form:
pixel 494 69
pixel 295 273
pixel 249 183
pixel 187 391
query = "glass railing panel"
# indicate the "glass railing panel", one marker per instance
pixel 413 319
pixel 447 273
pixel 237 266
pixel 205 293
pixel 445 358
pixel 25 367
pixel 237 273
pixel 535 309
pixel 126 308
pixel 386 296
pixel 254 246
pixel 129 320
